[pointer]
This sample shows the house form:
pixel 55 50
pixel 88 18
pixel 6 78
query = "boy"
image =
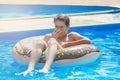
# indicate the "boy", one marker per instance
pixel 59 39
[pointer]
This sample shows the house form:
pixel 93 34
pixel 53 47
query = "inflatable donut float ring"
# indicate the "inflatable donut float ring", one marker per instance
pixel 84 53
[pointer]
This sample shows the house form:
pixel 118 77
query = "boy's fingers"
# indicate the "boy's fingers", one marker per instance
pixel 57 30
pixel 59 33
pixel 54 35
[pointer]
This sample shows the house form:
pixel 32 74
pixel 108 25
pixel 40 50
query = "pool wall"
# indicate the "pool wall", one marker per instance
pixel 23 34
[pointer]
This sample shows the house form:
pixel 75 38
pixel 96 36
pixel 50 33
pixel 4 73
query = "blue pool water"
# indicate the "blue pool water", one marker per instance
pixel 107 67
pixel 16 11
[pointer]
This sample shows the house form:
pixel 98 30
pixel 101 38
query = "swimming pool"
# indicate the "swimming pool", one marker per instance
pixel 17 11
pixel 107 67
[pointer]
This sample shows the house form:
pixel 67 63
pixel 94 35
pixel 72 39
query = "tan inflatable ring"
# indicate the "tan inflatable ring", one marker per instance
pixel 79 53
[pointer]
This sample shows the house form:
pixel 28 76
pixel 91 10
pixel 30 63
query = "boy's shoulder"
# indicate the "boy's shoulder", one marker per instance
pixel 74 34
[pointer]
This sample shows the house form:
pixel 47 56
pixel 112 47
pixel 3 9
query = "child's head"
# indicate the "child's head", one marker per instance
pixel 62 23
pixel 64 18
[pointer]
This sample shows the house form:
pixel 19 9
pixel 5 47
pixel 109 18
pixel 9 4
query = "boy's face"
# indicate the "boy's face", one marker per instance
pixel 61 28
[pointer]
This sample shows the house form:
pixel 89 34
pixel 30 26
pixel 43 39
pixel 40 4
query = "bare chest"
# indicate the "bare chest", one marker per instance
pixel 64 40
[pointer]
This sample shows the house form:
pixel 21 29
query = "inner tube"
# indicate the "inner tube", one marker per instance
pixel 84 53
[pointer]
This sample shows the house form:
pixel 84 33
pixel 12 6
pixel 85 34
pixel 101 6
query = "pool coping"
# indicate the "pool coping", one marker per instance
pixel 64 2
pixel 34 23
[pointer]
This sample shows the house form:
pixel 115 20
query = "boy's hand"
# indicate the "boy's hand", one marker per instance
pixel 56 33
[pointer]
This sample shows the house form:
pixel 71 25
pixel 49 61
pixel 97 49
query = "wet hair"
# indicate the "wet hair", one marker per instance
pixel 62 17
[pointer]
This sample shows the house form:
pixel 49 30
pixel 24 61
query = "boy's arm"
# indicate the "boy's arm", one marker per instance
pixel 76 39
pixel 48 36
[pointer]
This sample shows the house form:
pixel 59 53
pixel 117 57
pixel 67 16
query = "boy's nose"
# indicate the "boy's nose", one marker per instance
pixel 58 28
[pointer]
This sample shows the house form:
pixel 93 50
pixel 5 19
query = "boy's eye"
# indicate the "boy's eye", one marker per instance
pixel 58 26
